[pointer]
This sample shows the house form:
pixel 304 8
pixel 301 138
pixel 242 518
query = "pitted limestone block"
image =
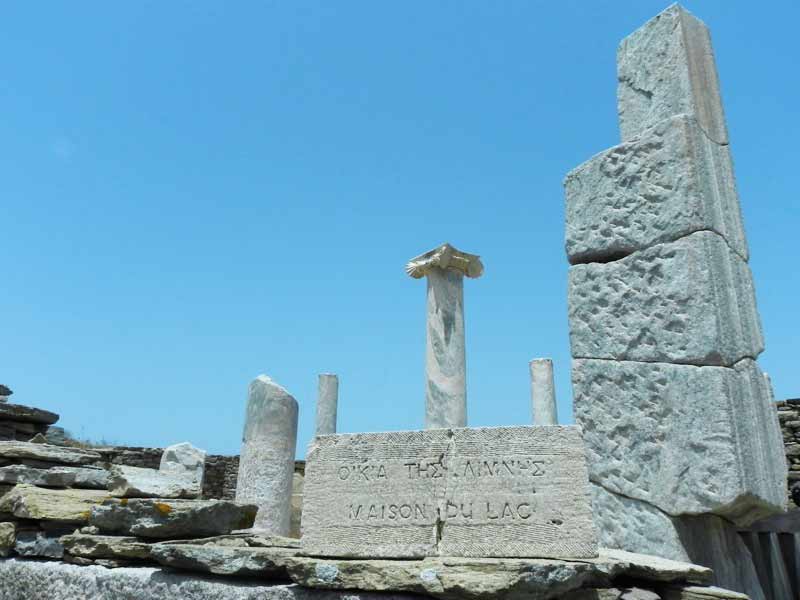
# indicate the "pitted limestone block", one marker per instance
pixel 666 183
pixel 686 439
pixel 690 302
pixel 489 491
pixel 706 540
pixel 666 68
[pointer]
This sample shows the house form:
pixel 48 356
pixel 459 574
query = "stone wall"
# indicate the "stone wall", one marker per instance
pixel 789 417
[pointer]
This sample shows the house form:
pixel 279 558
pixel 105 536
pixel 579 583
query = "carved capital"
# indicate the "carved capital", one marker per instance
pixel 445 257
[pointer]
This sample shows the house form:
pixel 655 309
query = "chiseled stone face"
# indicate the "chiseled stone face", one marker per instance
pixel 666 183
pixel 690 301
pixel 502 491
pixel 686 439
pixel 666 68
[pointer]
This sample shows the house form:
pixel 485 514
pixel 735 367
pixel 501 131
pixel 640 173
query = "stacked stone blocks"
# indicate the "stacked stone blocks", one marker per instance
pixel 664 329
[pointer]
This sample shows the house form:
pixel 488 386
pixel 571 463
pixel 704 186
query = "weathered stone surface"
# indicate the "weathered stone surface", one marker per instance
pixel 47 453
pixel 17 412
pixel 38 544
pixel 8 533
pixel 694 592
pixel 686 439
pixel 690 301
pixel 265 563
pixel 266 466
pixel 164 519
pixel 42 477
pixel 327 404
pixel 89 477
pixel 666 68
pixel 70 506
pixel 708 540
pixel 243 540
pixel 139 482
pixel 664 184
pixel 105 546
pixel 482 578
pixel 543 392
pixel 184 459
pixel 500 491
pixel 24 580
pixel 56 436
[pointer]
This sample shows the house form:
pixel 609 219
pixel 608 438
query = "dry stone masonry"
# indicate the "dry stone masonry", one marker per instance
pixel 679 426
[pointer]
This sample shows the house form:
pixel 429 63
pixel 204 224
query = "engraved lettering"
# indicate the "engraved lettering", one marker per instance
pixel 354 513
pixel 344 473
pixel 527 509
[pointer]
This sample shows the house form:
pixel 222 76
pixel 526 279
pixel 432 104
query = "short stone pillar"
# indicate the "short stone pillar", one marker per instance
pixel 266 465
pixel 445 359
pixel 327 403
pixel 543 392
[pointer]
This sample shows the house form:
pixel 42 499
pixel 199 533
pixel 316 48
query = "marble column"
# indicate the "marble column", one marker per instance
pixel 327 403
pixel 445 356
pixel 543 392
pixel 266 465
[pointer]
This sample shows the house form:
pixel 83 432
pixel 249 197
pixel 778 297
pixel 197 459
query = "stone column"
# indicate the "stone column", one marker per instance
pixel 266 465
pixel 445 356
pixel 543 392
pixel 327 403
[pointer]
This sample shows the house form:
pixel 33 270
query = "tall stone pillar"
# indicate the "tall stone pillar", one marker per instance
pixel 266 464
pixel 663 321
pixel 445 356
pixel 543 392
pixel 327 403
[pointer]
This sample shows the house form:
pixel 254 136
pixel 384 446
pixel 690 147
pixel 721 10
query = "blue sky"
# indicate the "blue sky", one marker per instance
pixel 196 193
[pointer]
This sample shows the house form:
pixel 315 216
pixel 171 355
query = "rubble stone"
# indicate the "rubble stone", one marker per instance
pixel 70 505
pixel 137 482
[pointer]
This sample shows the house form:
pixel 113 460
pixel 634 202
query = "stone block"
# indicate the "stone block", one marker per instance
pixel 105 546
pixel 686 439
pixel 38 544
pixel 664 184
pixel 707 540
pixel 27 414
pixel 165 519
pixel 233 561
pixel 42 504
pixel 138 482
pixel 47 453
pixel 690 302
pixel 8 533
pixel 14 474
pixel 183 459
pixel 503 491
pixel 666 68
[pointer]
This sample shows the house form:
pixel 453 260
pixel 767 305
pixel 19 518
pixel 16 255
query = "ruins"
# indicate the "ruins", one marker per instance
pixel 672 484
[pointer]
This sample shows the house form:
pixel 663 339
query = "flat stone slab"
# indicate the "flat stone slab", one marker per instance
pixel 483 578
pixel 495 491
pixel 43 504
pixel 165 519
pixel 105 546
pixel 666 183
pixel 13 474
pixel 689 302
pixel 24 580
pixel 649 435
pixel 27 414
pixel 266 563
pixel 138 482
pixel 47 453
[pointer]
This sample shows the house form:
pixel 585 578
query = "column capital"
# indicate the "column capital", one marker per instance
pixel 445 257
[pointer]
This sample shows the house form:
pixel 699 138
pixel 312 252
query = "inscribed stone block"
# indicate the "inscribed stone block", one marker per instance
pixel 666 68
pixel 690 301
pixel 686 439
pixel 666 183
pixel 483 492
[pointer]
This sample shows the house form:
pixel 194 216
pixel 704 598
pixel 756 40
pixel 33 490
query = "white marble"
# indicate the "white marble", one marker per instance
pixel 543 392
pixel 327 403
pixel 266 465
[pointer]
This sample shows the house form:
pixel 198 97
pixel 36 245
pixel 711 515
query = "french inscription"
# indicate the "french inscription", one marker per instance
pixel 520 491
